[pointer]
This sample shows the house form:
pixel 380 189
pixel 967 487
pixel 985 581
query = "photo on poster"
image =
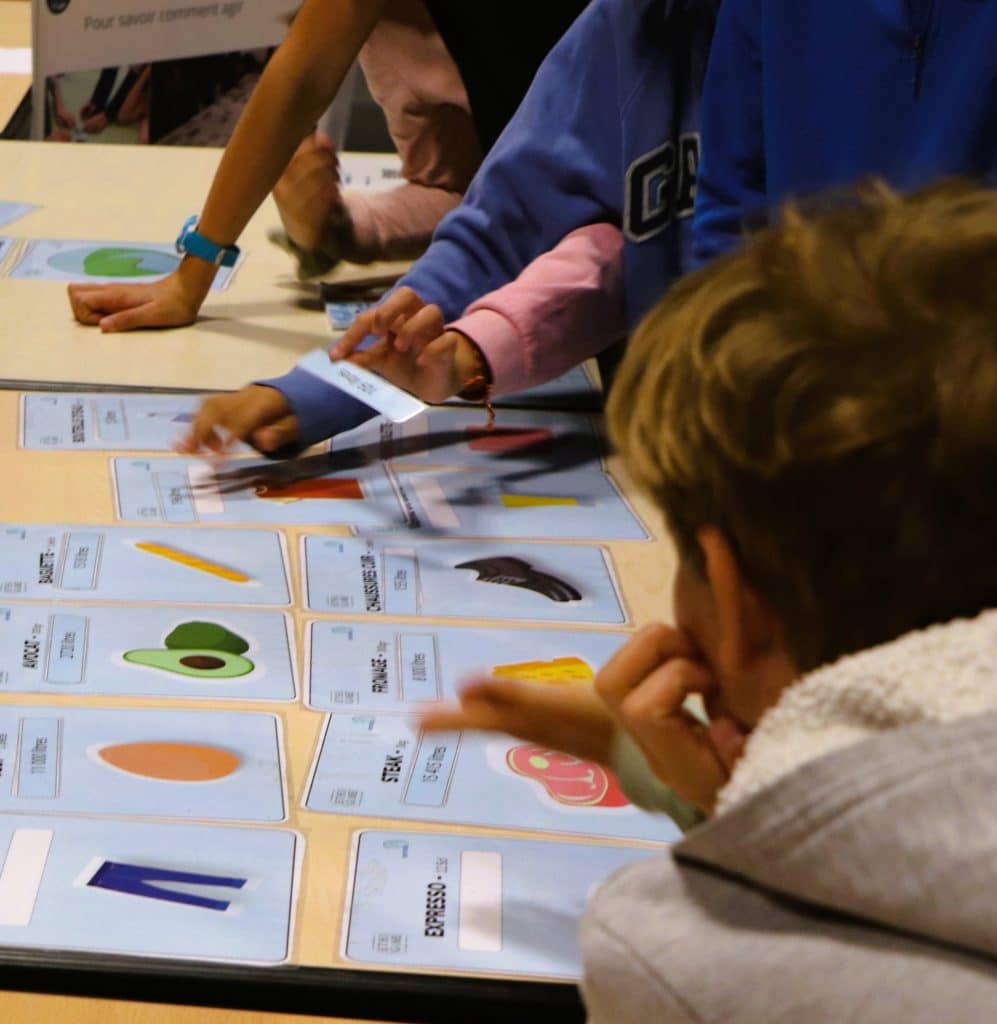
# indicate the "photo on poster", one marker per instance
pixel 101 262
pixel 104 421
pixel 83 650
pixel 384 766
pixel 389 667
pixel 511 580
pixel 107 105
pixel 171 490
pixel 159 890
pixel 443 901
pixel 211 765
pixel 108 71
pixel 519 439
pixel 582 504
pixel 151 564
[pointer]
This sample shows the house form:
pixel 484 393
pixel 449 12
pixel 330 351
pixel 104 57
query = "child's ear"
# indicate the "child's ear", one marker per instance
pixel 747 626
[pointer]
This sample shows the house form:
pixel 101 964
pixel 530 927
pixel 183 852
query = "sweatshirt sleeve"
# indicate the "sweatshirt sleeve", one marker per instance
pixel 556 167
pixel 644 789
pixel 731 181
pixel 566 306
pixel 321 409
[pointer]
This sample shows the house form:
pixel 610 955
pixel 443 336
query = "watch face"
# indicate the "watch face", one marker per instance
pixel 57 6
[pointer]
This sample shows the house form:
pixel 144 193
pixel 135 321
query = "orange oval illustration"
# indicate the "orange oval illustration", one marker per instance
pixel 171 762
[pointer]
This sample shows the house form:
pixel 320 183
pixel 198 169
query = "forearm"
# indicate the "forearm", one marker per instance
pixel 297 85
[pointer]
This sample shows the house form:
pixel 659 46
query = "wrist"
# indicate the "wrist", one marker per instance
pixel 196 277
pixel 470 365
pixel 193 242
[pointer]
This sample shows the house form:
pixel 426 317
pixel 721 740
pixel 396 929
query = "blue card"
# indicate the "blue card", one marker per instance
pixel 577 505
pixel 462 579
pixel 342 314
pixel 168 490
pixel 520 438
pixel 213 765
pixel 136 651
pixel 101 262
pixel 474 903
pixel 148 563
pixel 103 421
pixel 14 211
pixel 126 888
pixel 383 766
pixel 375 666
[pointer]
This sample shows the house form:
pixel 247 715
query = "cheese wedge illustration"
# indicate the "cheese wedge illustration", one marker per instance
pixel 557 671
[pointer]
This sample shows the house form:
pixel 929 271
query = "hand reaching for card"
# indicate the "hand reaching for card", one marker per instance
pixel 570 719
pixel 415 352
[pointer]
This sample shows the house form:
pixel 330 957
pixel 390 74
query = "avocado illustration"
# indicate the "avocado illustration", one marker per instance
pixel 196 662
pixel 128 261
pixel 205 635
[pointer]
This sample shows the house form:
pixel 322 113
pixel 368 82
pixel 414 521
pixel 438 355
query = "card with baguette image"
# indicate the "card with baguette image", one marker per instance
pixel 147 564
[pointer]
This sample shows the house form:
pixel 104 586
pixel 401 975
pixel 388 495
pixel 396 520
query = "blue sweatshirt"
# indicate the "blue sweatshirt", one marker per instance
pixel 608 132
pixel 806 95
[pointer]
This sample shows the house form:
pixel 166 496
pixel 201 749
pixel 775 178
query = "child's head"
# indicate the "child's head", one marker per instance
pixel 820 409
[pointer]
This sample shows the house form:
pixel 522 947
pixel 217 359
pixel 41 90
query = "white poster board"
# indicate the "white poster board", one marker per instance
pixel 84 38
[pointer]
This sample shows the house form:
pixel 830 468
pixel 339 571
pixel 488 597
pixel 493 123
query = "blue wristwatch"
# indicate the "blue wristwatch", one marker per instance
pixel 189 241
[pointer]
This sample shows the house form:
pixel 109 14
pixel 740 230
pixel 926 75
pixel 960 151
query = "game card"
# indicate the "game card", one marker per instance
pixel 89 262
pixel 462 579
pixel 473 903
pixel 145 564
pixel 341 314
pixel 380 666
pixel 370 172
pixel 541 441
pixel 103 421
pixel 384 766
pixel 391 401
pixel 169 490
pixel 124 888
pixel 216 765
pixel 10 212
pixel 576 505
pixel 138 651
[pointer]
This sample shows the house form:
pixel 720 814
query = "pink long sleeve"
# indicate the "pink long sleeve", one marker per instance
pixel 566 306
pixel 415 81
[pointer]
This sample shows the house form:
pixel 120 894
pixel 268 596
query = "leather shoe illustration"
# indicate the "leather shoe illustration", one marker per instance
pixel 515 572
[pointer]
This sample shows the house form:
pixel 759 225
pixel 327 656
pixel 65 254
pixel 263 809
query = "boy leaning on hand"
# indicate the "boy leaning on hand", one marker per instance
pixel 816 415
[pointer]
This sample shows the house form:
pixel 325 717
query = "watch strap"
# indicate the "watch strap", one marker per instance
pixel 192 242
